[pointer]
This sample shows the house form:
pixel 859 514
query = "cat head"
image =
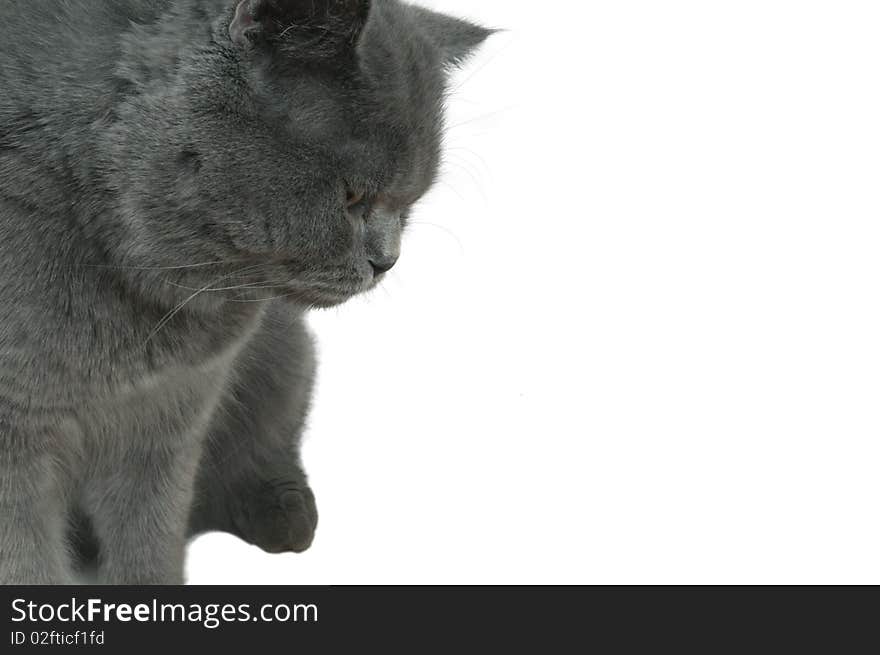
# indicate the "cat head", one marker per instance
pixel 294 146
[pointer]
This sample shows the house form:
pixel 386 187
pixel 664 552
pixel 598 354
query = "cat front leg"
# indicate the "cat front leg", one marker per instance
pixel 139 512
pixel 266 502
pixel 251 480
pixel 33 503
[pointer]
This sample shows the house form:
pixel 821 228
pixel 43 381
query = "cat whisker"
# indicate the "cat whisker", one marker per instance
pixel 315 282
pixel 239 287
pixel 442 228
pixel 445 183
pixel 263 300
pixel 174 312
pixel 480 165
pixel 467 172
pixel 476 119
pixel 167 268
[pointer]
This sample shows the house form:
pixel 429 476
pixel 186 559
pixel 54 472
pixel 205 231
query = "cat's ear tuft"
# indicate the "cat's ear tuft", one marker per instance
pixel 457 39
pixel 306 27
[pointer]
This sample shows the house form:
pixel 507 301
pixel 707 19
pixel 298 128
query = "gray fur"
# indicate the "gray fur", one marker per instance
pixel 180 182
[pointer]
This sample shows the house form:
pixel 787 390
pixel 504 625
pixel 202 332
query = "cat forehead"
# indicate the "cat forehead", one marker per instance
pixel 393 112
pixel 382 100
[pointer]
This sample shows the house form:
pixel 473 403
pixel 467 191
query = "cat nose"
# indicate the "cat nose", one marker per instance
pixel 382 265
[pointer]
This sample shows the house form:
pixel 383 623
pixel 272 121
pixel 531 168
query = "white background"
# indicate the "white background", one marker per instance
pixel 635 335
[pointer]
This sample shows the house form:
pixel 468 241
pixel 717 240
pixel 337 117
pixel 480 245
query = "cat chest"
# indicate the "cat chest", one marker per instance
pixel 166 405
pixel 166 400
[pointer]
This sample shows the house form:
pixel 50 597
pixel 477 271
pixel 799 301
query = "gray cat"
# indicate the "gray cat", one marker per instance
pixel 180 181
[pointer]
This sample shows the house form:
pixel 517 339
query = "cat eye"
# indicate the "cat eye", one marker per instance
pixel 354 198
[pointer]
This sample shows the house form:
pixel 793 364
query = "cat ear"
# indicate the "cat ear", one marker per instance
pixel 457 39
pixel 306 27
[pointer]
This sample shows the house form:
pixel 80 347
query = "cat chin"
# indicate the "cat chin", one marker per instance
pixel 323 299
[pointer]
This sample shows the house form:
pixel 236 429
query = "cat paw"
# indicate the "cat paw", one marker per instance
pixel 279 518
